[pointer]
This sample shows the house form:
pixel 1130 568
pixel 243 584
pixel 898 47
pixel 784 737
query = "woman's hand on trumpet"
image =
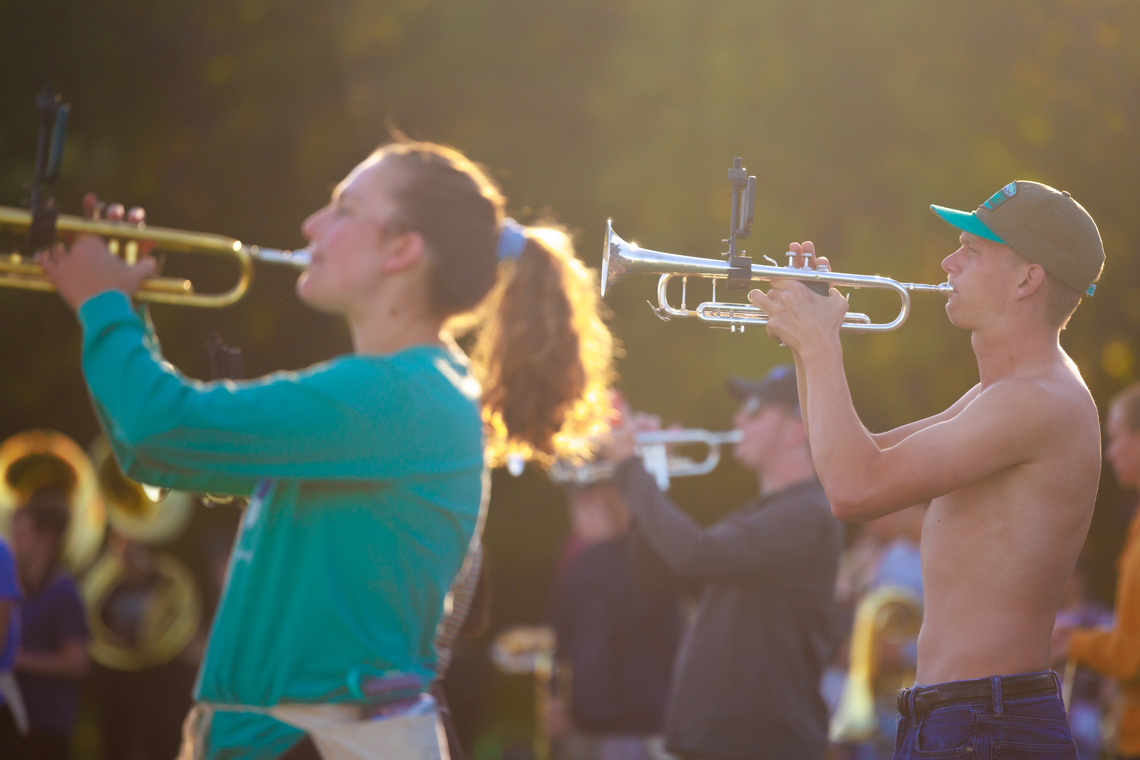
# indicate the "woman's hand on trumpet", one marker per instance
pixel 85 267
pixel 798 317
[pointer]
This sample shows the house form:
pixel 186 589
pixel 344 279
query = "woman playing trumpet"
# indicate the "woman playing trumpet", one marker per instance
pixel 367 473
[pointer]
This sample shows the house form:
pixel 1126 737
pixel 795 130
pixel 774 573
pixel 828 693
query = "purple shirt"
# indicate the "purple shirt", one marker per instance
pixel 9 592
pixel 52 615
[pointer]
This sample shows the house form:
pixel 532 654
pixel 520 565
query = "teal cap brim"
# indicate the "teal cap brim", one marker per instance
pixel 967 221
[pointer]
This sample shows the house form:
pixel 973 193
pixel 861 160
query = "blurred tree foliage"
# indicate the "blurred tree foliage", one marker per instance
pixel 237 116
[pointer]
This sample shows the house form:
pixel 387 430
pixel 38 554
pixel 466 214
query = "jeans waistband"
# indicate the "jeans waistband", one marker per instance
pixel 920 700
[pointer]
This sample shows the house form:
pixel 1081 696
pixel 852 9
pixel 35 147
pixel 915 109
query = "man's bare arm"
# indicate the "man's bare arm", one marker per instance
pixel 991 431
pixel 887 438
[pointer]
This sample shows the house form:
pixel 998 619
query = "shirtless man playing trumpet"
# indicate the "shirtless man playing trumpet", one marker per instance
pixel 1011 470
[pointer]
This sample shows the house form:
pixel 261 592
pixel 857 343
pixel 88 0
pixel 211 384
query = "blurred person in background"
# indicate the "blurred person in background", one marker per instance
pixel 140 710
pixel 1091 695
pixel 13 717
pixel 52 659
pixel 900 564
pixel 885 555
pixel 618 641
pixel 747 682
pixel 1115 651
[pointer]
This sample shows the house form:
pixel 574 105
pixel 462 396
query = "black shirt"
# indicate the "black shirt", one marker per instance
pixel 620 642
pixel 748 674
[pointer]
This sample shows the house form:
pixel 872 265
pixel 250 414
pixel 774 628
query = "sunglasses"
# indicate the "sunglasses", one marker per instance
pixel 753 405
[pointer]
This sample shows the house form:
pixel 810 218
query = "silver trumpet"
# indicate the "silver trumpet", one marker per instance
pixel 621 259
pixel 653 449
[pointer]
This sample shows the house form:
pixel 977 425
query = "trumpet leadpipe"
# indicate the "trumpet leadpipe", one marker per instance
pixel 298 259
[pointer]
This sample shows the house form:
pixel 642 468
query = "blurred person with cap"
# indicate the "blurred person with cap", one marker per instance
pixel 1011 469
pixel 747 679
pixel 1115 651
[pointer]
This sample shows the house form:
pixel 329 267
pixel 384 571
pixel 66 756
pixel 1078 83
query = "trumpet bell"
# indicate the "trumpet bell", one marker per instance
pixel 621 259
pixel 612 264
pixel 38 459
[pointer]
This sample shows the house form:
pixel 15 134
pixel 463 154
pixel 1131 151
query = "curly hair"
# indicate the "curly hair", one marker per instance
pixel 543 353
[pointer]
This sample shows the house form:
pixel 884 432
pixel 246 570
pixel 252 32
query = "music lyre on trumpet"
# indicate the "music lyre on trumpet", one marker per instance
pixel 621 259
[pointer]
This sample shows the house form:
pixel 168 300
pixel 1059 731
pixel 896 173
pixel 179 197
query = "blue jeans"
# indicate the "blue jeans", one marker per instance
pixel 992 728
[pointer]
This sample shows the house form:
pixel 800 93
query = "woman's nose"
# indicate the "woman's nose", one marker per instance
pixel 311 227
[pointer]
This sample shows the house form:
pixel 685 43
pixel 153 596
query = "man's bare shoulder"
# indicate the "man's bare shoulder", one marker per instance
pixel 1045 399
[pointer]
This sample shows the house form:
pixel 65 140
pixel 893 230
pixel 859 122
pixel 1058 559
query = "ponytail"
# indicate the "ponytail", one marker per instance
pixel 543 355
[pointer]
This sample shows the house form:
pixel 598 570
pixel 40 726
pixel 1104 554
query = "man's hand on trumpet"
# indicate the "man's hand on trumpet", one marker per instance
pixel 798 317
pixel 622 440
pixel 86 267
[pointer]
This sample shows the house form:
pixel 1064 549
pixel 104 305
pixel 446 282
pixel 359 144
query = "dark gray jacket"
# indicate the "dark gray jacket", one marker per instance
pixel 747 679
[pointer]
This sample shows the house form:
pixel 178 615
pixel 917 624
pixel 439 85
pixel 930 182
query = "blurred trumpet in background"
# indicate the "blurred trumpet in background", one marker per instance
pixel 656 450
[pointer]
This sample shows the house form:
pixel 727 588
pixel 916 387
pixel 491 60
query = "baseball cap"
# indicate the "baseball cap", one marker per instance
pixel 778 386
pixel 1042 224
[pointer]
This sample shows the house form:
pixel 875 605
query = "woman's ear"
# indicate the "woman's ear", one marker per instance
pixel 403 252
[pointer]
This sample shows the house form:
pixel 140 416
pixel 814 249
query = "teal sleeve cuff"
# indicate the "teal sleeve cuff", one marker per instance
pixel 105 309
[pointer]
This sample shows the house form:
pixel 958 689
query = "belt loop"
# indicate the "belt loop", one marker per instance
pixel 910 695
pixel 995 689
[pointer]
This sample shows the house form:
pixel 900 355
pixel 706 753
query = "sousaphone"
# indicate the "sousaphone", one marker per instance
pixel 36 459
pixel 143 604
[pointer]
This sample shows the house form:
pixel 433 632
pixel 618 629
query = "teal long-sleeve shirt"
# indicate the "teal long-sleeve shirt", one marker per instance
pixel 367 477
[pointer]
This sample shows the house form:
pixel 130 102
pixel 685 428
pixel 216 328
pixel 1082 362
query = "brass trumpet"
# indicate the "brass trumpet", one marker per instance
pixel 659 461
pixel 621 259
pixel 126 239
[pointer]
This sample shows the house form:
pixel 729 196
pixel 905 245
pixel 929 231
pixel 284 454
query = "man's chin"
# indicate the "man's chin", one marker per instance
pixel 955 316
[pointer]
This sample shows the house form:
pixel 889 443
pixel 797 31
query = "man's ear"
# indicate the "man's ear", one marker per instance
pixel 403 252
pixel 1033 278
